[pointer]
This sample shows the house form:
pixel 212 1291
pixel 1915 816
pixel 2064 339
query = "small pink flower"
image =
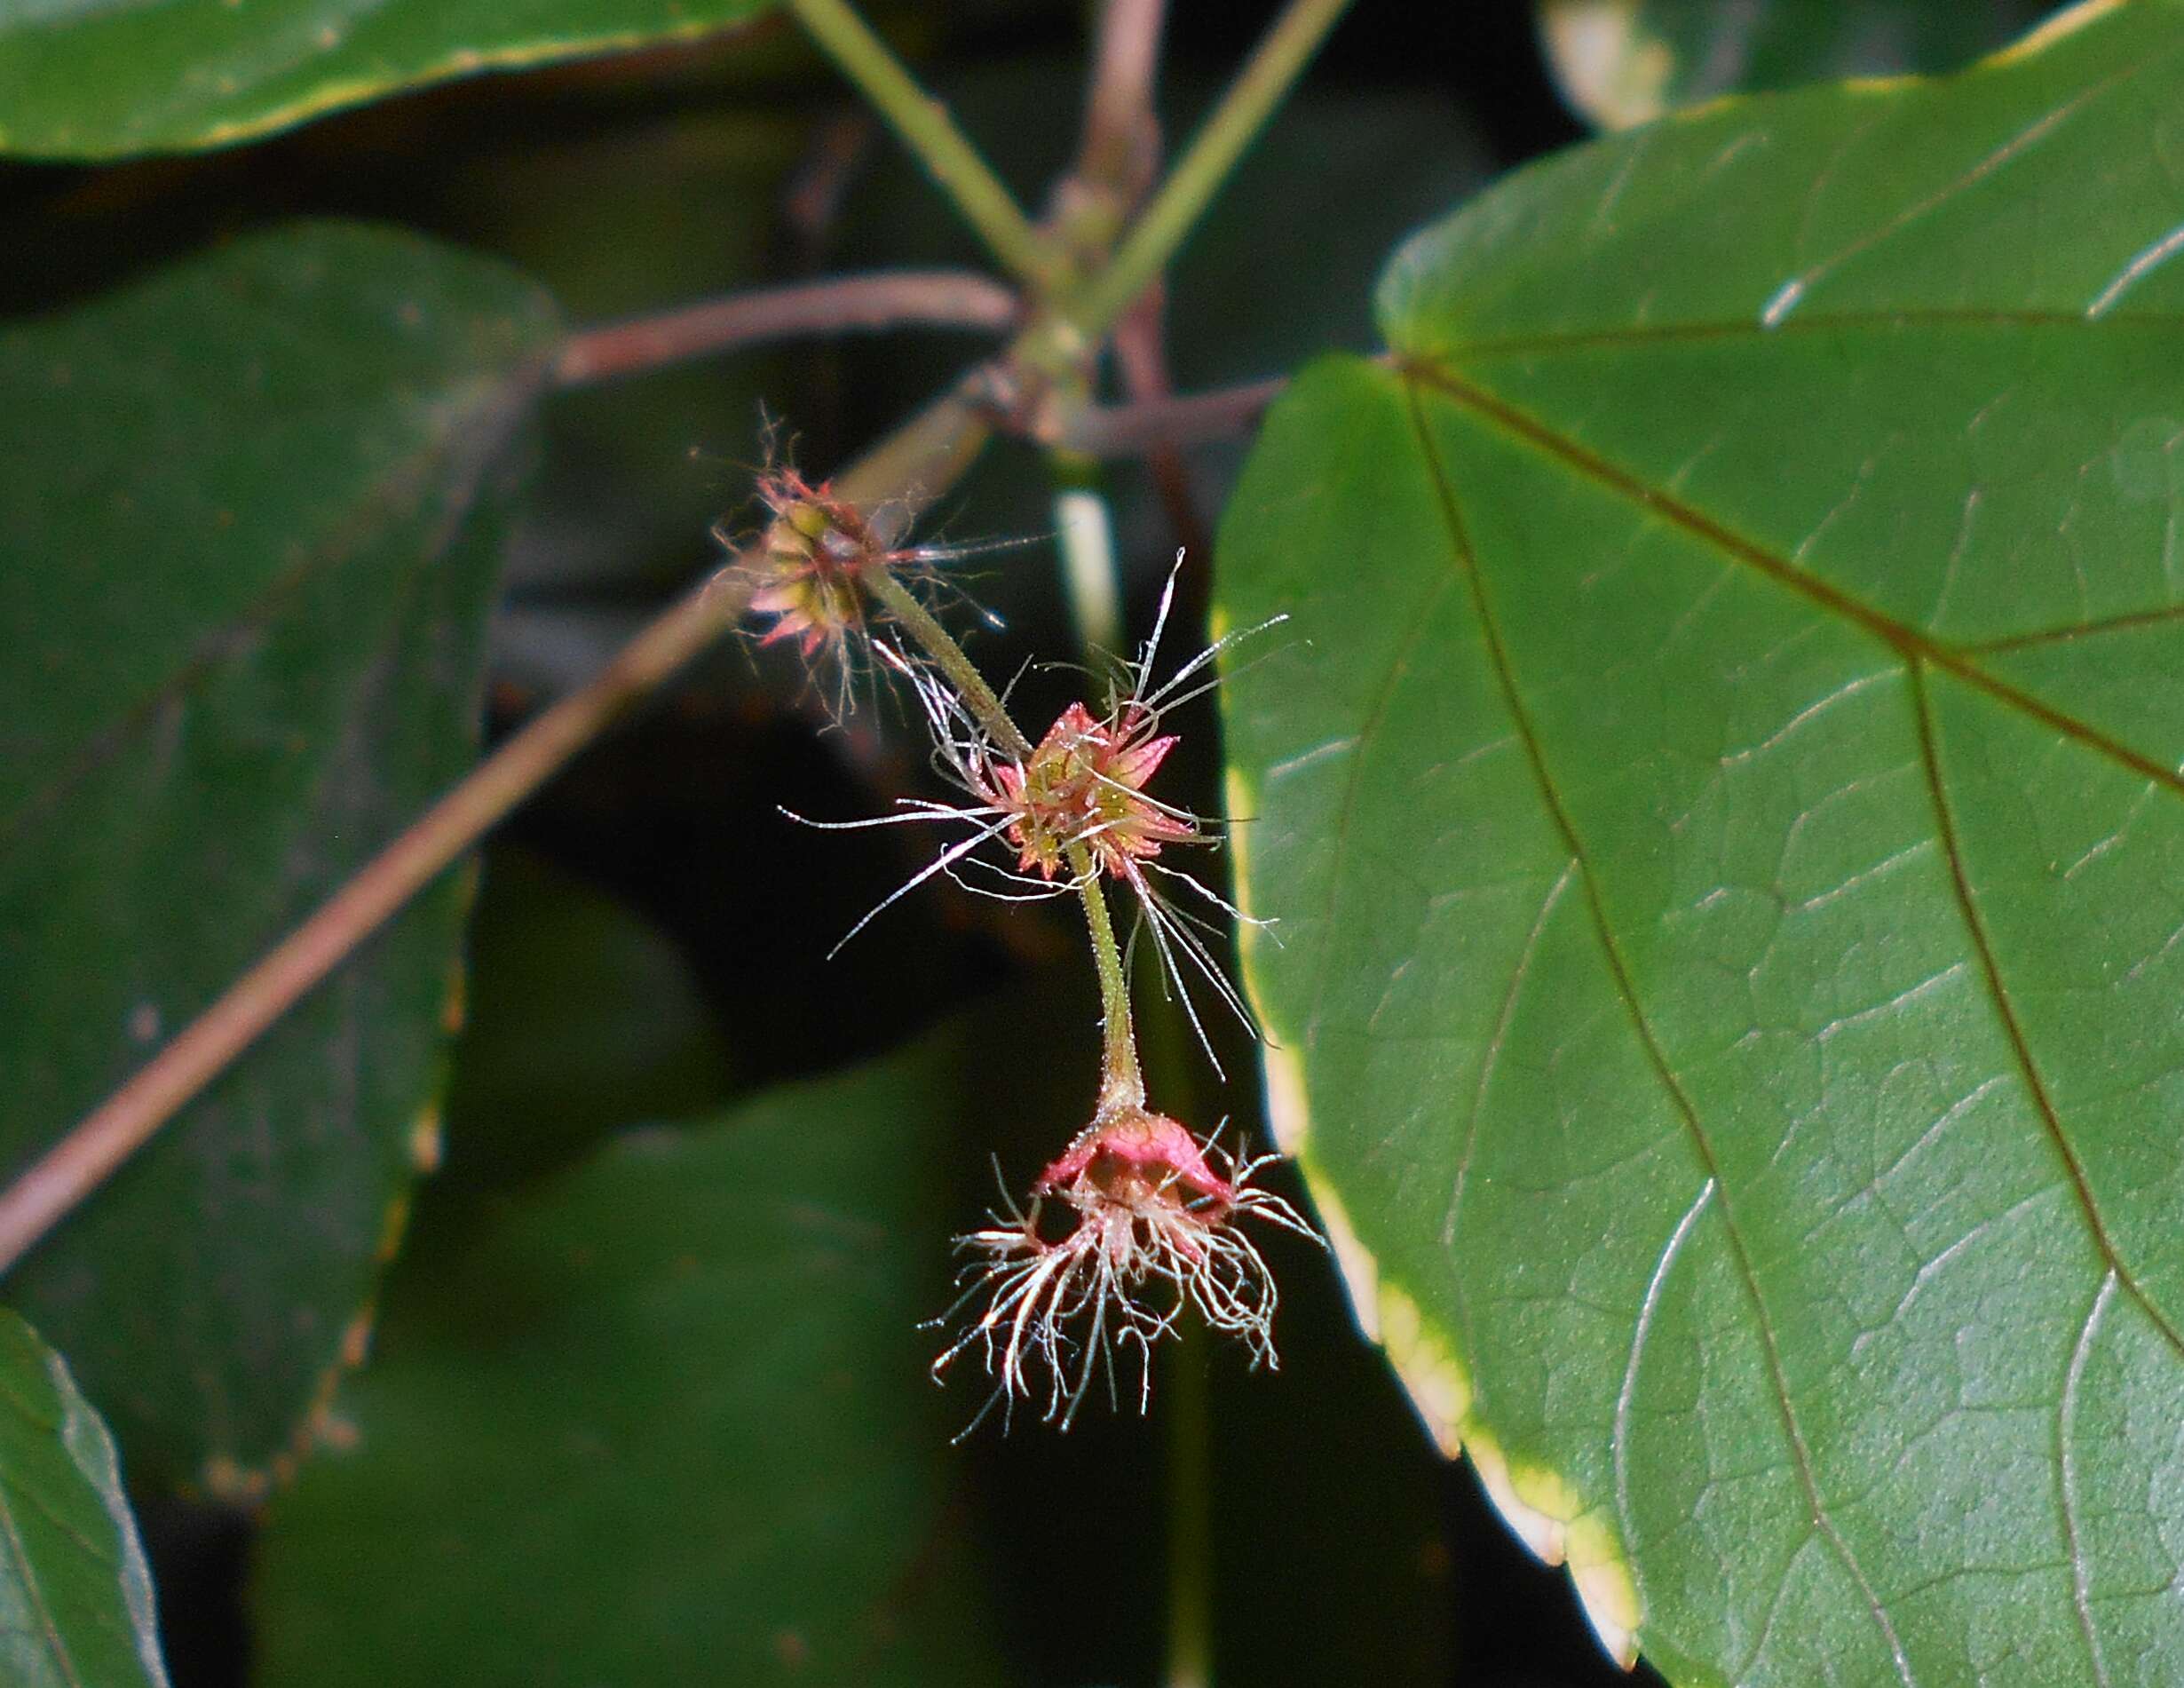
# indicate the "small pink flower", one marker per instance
pixel 1085 784
pixel 805 572
pixel 1150 1230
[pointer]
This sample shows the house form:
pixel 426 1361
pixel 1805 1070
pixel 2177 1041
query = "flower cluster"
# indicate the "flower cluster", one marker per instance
pixel 1147 1214
pixel 1150 1230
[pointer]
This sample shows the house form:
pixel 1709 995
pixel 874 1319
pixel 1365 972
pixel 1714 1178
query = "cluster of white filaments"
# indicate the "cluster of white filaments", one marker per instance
pixel 1152 1231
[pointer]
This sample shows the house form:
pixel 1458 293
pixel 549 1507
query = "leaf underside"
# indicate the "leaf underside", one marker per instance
pixel 89 79
pixel 251 508
pixel 1721 806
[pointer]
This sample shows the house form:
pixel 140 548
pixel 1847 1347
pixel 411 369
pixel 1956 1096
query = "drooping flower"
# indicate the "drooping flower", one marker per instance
pixel 1150 1230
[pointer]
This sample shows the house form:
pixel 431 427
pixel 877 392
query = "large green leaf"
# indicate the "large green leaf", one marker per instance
pixel 1721 800
pixel 1625 61
pixel 668 1410
pixel 89 79
pixel 75 1600
pixel 250 509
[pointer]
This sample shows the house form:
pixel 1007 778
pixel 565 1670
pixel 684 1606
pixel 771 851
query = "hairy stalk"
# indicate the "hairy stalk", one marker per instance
pixel 903 473
pixel 924 126
pixel 1121 1082
pixel 895 298
pixel 938 643
pixel 1275 63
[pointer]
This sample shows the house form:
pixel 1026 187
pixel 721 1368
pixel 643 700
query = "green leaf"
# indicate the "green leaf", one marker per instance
pixel 582 1017
pixel 75 1598
pixel 251 508
pixel 87 79
pixel 1720 797
pixel 671 1406
pixel 1621 62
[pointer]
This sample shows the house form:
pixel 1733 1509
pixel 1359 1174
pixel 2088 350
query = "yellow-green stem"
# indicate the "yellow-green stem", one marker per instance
pixel 1122 1083
pixel 1191 1513
pixel 924 126
pixel 1280 56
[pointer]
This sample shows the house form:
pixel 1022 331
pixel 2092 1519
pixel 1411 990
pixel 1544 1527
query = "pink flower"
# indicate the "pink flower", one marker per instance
pixel 1084 784
pixel 1150 1219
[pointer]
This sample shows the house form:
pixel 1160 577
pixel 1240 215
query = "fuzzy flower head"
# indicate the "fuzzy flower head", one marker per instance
pixel 1149 1216
pixel 1084 784
pixel 804 572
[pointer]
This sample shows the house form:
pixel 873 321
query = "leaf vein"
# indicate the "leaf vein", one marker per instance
pixel 2006 1009
pixel 1913 645
pixel 2066 1412
pixel 1655 1057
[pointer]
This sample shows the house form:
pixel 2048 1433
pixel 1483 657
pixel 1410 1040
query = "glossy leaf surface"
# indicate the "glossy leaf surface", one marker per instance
pixel 663 1417
pixel 1720 801
pixel 75 1600
pixel 251 512
pixel 84 79
pixel 1621 62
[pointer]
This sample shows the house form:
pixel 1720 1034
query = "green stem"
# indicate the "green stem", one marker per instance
pixel 924 126
pixel 1275 64
pixel 901 603
pixel 1121 1082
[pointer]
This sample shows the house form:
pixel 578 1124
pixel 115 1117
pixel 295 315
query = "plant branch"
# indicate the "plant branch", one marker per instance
pixel 1141 353
pixel 1278 60
pixel 1121 145
pixel 899 299
pixel 924 126
pixel 1193 418
pixel 906 470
